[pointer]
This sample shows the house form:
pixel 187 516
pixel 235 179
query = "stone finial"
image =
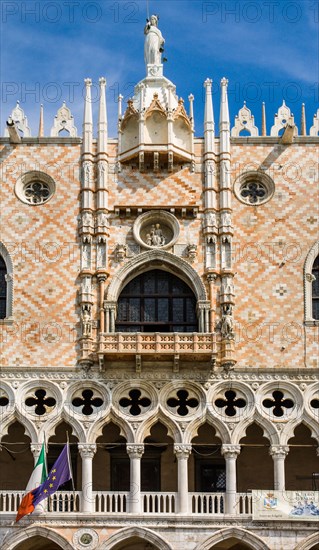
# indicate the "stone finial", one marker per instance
pixel 263 120
pixel 283 118
pixel 102 120
pixel 63 120
pixel 314 130
pixel 209 123
pixel 41 123
pixel 224 111
pixel 20 120
pixel 244 121
pixel 303 126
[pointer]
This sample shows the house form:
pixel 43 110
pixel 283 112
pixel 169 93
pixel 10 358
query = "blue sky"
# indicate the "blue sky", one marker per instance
pixel 268 49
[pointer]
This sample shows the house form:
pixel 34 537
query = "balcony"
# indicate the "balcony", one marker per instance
pixel 160 345
pixel 118 503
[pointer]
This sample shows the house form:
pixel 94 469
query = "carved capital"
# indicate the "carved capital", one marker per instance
pixel 36 449
pixel 230 451
pixel 182 451
pixel 87 450
pixel 135 450
pixel 212 277
pixel 279 451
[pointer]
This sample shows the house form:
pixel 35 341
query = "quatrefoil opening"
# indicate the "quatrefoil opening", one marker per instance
pixel 135 402
pixel 182 403
pixel 87 402
pixel 278 404
pixel 40 402
pixel 230 403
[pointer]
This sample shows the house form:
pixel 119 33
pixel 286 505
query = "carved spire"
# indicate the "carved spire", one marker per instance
pixel 102 122
pixel 209 123
pixel 191 109
pixel 303 128
pixel 224 125
pixel 41 123
pixel 88 118
pixel 263 120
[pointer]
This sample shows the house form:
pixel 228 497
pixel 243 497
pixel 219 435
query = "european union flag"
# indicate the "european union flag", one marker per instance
pixel 59 474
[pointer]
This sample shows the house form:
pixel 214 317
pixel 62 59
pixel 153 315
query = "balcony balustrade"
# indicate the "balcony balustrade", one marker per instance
pixel 117 503
pixel 164 344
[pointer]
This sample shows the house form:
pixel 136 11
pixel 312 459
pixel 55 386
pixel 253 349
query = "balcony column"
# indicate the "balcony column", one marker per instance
pixel 182 453
pixel 135 452
pixel 230 453
pixel 87 451
pixel 279 453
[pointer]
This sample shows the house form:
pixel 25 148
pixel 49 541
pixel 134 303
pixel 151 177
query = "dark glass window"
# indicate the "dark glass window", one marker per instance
pixel 3 289
pixel 156 301
pixel 315 289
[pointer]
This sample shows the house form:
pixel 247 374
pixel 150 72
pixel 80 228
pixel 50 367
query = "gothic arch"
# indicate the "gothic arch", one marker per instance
pixel 311 256
pixel 130 532
pixel 289 430
pixel 4 253
pixel 29 428
pixel 269 431
pixel 77 428
pixel 23 534
pixel 173 429
pixel 252 540
pixel 308 543
pixel 155 259
pixel 97 428
pixel 221 429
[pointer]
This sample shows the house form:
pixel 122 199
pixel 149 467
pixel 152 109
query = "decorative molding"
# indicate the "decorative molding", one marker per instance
pixel 244 121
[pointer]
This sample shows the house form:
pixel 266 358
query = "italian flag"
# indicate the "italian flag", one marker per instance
pixel 38 477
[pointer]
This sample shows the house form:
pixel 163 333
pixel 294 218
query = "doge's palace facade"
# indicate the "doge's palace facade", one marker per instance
pixel 159 308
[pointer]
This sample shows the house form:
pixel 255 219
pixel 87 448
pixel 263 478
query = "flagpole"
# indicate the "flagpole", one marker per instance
pixel 69 461
pixel 148 9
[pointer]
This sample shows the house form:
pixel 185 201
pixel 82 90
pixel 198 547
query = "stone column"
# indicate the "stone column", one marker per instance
pixel 182 453
pixel 87 451
pixel 135 452
pixel 230 453
pixel 279 453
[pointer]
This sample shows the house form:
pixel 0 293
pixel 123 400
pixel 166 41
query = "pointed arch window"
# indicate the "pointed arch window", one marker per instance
pixel 311 286
pixel 3 289
pixel 315 289
pixel 156 301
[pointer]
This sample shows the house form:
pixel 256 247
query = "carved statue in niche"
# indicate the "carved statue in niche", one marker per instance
pixel 226 327
pixel 86 321
pixel 102 219
pixel 155 236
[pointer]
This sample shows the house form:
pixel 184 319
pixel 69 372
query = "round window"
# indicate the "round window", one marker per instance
pixel 254 188
pixel 35 188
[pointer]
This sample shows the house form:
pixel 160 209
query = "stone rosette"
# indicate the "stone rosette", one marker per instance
pixel 85 539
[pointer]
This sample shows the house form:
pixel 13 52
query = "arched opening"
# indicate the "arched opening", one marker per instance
pixel 16 459
pixel 158 466
pixel 301 465
pixel 38 543
pixel 135 543
pixel 65 499
pixel 255 469
pixel 207 473
pixel 156 301
pixel 111 463
pixel 231 544
pixel 207 465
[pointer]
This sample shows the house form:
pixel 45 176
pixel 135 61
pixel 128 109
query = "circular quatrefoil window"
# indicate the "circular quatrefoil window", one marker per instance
pixel 35 188
pixel 254 188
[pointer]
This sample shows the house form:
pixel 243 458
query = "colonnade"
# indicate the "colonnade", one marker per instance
pixel 182 452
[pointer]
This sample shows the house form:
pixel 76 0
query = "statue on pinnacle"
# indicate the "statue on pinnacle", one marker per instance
pixel 154 42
